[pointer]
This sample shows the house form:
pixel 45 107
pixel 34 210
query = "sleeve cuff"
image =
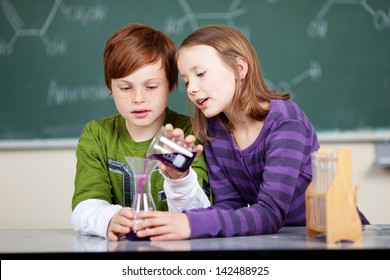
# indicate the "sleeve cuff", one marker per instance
pixel 182 186
pixel 92 217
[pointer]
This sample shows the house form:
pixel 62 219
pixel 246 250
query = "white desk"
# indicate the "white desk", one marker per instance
pixel 289 241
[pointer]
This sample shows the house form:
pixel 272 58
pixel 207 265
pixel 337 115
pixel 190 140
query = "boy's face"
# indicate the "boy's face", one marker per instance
pixel 141 97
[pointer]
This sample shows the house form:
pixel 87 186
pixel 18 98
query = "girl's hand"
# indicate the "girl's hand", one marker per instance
pixel 161 225
pixel 178 133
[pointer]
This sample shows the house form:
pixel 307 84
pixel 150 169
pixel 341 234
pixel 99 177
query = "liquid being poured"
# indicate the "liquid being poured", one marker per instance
pixel 141 178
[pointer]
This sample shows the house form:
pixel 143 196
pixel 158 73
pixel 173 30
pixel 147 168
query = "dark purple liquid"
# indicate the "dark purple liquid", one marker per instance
pixel 177 161
pixel 133 237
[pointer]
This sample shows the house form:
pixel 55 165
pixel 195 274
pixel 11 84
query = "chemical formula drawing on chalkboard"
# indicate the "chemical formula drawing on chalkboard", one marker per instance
pixel 174 26
pixel 318 28
pixel 332 55
pixel 74 13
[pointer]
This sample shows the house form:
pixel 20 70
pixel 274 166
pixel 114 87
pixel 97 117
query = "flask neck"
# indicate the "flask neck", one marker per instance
pixel 142 198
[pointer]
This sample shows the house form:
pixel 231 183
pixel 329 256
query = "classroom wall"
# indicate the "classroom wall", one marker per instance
pixel 36 186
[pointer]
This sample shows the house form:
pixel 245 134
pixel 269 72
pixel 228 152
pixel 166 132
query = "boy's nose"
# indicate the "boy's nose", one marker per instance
pixel 138 96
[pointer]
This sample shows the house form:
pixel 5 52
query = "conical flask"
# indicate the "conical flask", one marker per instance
pixel 142 196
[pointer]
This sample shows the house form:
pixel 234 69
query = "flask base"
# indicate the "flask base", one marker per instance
pixel 132 236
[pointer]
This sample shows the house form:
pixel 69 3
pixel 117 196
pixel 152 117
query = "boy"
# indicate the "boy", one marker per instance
pixel 140 71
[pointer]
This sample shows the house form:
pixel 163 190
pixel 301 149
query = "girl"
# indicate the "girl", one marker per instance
pixel 258 143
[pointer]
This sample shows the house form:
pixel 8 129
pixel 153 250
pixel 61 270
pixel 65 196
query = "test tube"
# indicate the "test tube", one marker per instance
pixel 323 171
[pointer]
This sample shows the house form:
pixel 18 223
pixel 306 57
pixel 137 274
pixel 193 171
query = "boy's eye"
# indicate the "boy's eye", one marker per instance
pixel 125 88
pixel 151 87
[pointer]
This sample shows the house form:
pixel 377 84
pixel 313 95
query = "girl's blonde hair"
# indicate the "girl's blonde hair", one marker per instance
pixel 250 92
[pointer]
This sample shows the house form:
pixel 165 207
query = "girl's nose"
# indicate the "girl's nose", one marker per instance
pixel 192 88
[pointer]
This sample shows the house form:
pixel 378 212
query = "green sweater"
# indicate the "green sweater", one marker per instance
pixel 102 171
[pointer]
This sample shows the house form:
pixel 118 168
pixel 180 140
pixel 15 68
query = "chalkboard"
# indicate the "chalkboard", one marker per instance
pixel 333 56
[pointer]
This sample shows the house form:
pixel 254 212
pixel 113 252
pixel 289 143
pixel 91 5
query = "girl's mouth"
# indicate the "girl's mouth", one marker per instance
pixel 201 101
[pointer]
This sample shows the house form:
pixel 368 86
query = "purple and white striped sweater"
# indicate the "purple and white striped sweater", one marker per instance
pixel 262 188
pixel 270 176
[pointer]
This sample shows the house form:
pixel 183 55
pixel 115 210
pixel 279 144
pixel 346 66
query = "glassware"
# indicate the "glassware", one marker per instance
pixel 172 151
pixel 142 196
pixel 324 163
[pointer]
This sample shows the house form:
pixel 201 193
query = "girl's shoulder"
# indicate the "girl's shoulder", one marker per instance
pixel 282 111
pixel 285 109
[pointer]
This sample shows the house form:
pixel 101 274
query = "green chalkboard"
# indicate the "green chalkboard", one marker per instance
pixel 333 56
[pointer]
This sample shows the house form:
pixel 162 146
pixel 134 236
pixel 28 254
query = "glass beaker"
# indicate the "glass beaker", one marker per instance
pixel 171 151
pixel 142 196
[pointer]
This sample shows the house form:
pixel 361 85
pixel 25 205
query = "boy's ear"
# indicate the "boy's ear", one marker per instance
pixel 242 67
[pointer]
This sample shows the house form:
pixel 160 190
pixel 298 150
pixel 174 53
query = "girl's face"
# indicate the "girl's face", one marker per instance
pixel 141 97
pixel 210 83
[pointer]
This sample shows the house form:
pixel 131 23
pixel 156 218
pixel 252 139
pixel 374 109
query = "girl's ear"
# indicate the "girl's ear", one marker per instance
pixel 242 67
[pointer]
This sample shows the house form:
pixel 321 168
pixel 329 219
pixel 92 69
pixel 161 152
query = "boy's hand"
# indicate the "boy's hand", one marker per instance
pixel 120 224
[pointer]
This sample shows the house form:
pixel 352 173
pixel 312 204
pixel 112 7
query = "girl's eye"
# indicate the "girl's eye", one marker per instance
pixel 201 74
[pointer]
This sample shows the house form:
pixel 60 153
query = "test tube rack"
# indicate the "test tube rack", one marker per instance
pixel 334 211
